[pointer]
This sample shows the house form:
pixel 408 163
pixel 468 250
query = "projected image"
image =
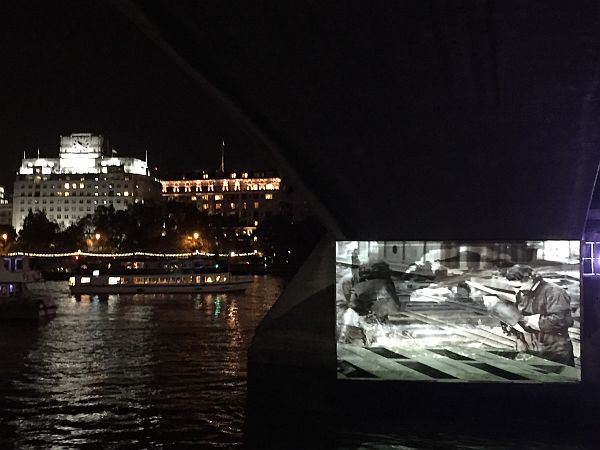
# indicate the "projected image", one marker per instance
pixel 458 311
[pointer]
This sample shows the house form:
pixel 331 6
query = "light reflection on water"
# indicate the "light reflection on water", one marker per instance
pixel 153 371
pixel 137 371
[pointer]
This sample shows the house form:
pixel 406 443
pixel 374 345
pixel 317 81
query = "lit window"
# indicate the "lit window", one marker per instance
pixel 232 205
pixel 66 194
pixel 84 280
pixel 218 197
pixel 205 206
pixel 268 196
pixel 218 206
pixel 67 185
pixel 255 205
pixel 81 185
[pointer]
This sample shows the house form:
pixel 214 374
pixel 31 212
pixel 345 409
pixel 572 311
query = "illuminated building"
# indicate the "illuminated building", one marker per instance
pixel 86 174
pixel 249 196
pixel 5 208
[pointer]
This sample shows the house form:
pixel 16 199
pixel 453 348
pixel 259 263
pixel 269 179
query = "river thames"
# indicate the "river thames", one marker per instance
pixel 138 371
pixel 161 371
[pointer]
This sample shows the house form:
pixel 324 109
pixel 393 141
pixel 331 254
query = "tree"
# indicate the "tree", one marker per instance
pixel 38 233
pixel 72 238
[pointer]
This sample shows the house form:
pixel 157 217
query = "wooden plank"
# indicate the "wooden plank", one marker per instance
pixel 458 369
pixel 518 367
pixel 378 365
pixel 494 340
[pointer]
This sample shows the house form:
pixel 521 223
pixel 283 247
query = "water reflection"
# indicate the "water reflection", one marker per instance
pixel 138 371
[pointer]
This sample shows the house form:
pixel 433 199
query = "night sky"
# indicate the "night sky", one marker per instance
pixel 82 66
pixel 414 119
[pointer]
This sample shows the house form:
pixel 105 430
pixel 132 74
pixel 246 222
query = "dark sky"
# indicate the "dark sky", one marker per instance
pixel 82 66
pixel 416 118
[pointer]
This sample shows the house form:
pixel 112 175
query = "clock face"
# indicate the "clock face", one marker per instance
pixel 81 141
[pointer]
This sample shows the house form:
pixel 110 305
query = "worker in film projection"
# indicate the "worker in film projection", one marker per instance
pixel 364 302
pixel 546 315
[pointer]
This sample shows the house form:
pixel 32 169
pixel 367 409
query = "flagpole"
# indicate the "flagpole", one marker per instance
pixel 223 157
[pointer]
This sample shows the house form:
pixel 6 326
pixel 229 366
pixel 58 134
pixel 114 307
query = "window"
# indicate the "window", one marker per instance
pixel 591 259
pixel 268 196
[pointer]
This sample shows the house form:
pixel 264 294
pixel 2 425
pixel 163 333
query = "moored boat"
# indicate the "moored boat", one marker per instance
pixel 172 277
pixel 16 301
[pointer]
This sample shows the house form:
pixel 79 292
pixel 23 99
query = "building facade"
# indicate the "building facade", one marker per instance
pixel 5 208
pixel 86 174
pixel 249 196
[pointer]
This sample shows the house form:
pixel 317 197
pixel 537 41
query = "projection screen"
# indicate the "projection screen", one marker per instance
pixel 449 311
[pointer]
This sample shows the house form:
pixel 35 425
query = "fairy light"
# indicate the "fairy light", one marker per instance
pixel 127 254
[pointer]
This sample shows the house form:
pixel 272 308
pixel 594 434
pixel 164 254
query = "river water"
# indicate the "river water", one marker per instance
pixel 155 371
pixel 137 371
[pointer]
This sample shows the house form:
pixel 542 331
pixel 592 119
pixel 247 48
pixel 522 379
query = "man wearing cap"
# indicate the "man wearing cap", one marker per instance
pixel 363 305
pixel 546 315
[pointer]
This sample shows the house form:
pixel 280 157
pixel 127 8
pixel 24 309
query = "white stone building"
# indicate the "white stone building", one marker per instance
pixel 86 174
pixel 5 208
pixel 249 196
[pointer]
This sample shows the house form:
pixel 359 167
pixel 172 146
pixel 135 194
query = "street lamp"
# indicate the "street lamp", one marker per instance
pixel 196 235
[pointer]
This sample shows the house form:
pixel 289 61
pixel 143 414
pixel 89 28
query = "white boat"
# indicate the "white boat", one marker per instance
pixel 171 277
pixel 16 301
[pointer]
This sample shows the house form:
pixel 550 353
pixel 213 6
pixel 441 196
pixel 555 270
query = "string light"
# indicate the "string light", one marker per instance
pixel 127 255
